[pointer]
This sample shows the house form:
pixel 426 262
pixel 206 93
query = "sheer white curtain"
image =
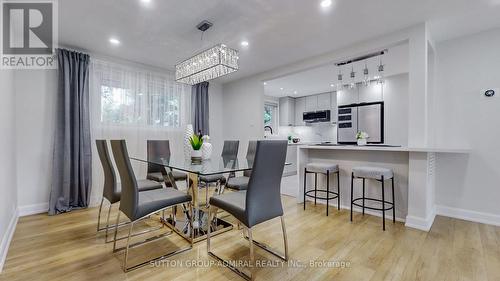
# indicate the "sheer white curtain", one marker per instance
pixel 135 104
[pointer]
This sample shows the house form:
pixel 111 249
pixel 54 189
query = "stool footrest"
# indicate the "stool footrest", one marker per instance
pixel 320 197
pixel 375 200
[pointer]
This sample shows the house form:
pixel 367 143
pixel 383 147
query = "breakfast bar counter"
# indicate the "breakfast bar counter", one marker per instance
pixel 414 169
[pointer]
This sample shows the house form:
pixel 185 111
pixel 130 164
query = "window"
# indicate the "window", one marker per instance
pixel 119 106
pixel 131 97
pixel 271 115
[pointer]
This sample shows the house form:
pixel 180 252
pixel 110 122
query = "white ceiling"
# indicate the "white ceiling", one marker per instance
pixel 280 32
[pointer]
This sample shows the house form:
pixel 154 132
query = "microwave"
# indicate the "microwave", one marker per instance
pixel 316 116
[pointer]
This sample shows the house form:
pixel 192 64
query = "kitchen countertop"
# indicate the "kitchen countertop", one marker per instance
pixel 386 148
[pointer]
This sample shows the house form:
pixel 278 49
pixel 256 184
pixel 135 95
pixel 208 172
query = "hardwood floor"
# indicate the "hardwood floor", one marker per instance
pixel 66 247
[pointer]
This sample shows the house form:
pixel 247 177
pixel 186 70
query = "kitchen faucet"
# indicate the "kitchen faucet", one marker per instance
pixel 270 129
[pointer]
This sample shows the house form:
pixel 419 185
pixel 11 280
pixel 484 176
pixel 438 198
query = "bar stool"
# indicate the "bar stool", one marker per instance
pixel 325 169
pixel 378 174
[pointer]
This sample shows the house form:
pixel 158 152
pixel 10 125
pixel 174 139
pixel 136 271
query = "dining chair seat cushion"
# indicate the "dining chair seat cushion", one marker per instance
pixel 238 183
pixel 322 167
pixel 178 176
pixel 372 173
pixel 142 185
pixel 213 178
pixel 145 185
pixel 231 202
pixel 154 200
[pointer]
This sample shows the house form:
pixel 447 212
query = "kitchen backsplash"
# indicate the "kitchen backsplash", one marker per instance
pixel 313 133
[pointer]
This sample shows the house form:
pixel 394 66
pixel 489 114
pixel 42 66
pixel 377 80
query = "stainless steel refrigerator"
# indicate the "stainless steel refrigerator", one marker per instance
pixel 366 117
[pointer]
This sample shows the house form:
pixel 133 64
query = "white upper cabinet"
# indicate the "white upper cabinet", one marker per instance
pixel 312 103
pixel 323 101
pixel 287 111
pixel 333 106
pixel 347 96
pixel 300 108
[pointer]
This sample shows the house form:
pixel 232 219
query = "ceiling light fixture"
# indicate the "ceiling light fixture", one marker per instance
pixel 281 89
pixel 326 3
pixel 146 1
pixel 339 78
pixel 244 43
pixel 114 41
pixel 381 69
pixel 366 77
pixel 212 63
pixel 265 83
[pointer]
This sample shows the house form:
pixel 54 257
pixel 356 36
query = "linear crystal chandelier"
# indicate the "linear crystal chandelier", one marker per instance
pixel 207 65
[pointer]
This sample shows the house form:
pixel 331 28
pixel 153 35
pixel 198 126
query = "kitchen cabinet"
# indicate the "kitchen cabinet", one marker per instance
pixel 291 157
pixel 312 103
pixel 333 105
pixel 348 96
pixel 300 107
pixel 323 102
pixel 287 111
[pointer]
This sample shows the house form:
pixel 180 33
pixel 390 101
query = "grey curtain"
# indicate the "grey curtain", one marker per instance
pixel 71 174
pixel 199 108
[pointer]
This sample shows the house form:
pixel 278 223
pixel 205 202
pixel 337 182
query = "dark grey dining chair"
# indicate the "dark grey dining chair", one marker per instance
pixel 261 201
pixel 229 151
pixel 160 149
pixel 137 205
pixel 241 182
pixel 112 188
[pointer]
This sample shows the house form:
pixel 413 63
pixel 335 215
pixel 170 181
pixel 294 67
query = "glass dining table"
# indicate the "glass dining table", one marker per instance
pixel 194 170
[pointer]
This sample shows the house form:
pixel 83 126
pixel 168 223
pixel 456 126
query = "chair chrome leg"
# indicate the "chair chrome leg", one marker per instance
pixel 224 262
pixel 208 230
pixel 99 215
pixel 128 246
pixel 285 239
pixel 191 222
pixel 252 254
pixel 116 230
pixel 269 249
pixel 107 222
pixel 207 187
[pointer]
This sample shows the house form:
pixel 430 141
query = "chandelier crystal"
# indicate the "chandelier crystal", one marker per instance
pixel 207 65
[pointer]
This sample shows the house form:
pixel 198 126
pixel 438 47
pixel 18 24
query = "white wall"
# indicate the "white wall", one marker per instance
pixel 466 66
pixel 8 191
pixel 243 112
pixel 36 92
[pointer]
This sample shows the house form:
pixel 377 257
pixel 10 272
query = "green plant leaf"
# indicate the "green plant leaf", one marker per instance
pixel 196 142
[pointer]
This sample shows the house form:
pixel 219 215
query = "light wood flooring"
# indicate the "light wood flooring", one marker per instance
pixel 66 247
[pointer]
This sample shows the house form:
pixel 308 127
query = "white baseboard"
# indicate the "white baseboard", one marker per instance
pixel 34 209
pixel 419 223
pixel 7 237
pixel 468 215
